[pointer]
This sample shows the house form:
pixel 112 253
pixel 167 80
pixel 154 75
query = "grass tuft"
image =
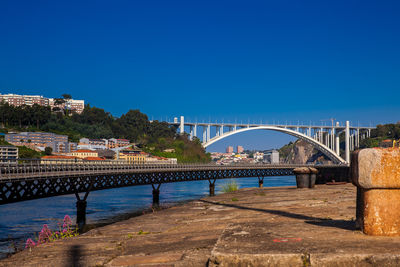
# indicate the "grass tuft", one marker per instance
pixel 230 187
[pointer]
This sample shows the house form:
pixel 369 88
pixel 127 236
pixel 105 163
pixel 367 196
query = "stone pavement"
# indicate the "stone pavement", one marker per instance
pixel 251 227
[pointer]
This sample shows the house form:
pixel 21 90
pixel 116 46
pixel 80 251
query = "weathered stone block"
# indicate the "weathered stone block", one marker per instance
pixel 376 173
pixel 374 168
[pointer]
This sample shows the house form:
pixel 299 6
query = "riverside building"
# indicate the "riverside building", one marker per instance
pixel 8 154
pixel 59 143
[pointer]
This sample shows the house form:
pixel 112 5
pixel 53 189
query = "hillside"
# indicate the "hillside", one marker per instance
pixel 154 137
pixel 301 152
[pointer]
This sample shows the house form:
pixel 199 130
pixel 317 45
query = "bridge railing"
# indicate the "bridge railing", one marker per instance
pixel 38 168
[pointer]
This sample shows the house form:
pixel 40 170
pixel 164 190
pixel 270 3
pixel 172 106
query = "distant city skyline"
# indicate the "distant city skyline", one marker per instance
pixel 226 60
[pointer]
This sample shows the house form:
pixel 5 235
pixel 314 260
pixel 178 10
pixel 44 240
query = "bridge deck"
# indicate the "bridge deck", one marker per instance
pixel 26 182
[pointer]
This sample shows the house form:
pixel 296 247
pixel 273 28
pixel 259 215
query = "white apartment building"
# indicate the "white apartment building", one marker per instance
pixel 29 100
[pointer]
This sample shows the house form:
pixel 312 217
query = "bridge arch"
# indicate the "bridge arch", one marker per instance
pixel 321 147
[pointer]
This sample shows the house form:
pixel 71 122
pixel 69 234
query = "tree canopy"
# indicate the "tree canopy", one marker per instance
pixel 97 123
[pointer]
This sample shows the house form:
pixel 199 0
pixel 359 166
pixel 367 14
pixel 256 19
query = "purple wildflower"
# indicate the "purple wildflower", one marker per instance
pixel 44 235
pixel 67 220
pixel 30 243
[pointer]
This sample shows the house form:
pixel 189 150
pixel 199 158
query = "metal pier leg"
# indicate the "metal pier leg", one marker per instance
pixel 260 182
pixel 81 210
pixel 212 187
pixel 156 195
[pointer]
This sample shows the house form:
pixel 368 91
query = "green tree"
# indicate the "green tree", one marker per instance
pixel 48 150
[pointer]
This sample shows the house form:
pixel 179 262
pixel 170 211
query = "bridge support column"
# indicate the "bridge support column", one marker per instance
pixel 156 195
pixel 212 187
pixel 182 125
pixel 337 146
pixel 347 142
pixel 81 213
pixel 81 210
pixel 204 134
pixel 260 182
pixel 191 133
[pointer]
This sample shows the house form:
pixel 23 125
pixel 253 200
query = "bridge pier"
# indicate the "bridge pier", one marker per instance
pixel 81 213
pixel 260 182
pixel 156 195
pixel 81 210
pixel 212 187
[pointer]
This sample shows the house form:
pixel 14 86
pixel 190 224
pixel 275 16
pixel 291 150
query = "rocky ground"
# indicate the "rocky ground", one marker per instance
pixel 250 227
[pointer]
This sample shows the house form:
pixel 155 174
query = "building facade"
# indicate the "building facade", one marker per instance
pixel 132 156
pixel 87 143
pixel 229 149
pixel 58 143
pixel 272 157
pixel 29 100
pixel 239 149
pixel 84 153
pixel 8 154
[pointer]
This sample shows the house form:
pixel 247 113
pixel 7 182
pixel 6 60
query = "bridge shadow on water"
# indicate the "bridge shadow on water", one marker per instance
pixel 323 222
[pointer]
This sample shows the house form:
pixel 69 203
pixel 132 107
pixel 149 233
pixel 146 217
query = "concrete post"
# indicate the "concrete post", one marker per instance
pixel 327 139
pixel 191 132
pixel 208 132
pixel 204 134
pixel 347 142
pixel 358 138
pixel 321 135
pixel 182 125
pixel 195 130
pixel 81 213
pixel 221 130
pixel 337 146
pixel 352 142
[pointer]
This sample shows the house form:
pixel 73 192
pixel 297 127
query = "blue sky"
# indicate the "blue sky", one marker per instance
pixel 219 60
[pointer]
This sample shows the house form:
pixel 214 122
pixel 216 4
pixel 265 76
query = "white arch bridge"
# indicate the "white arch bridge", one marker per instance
pixel 322 137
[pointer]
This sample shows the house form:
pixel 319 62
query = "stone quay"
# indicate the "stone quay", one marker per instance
pixel 282 226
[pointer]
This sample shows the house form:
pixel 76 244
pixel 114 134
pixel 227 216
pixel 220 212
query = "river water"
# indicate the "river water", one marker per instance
pixel 19 221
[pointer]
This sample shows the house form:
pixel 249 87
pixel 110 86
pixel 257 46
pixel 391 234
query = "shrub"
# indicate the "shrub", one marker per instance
pixel 230 187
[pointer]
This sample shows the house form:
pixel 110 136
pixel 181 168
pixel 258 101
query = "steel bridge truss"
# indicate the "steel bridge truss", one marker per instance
pixel 63 183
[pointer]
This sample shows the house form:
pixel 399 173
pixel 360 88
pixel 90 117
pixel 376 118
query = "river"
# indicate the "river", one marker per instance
pixel 19 221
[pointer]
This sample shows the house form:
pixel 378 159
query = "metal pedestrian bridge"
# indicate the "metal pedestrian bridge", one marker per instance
pixel 33 180
pixel 322 137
